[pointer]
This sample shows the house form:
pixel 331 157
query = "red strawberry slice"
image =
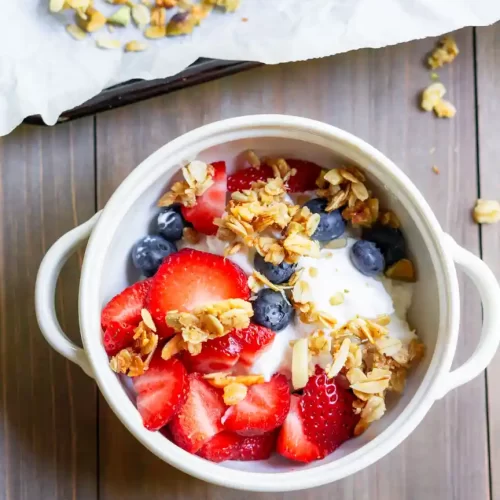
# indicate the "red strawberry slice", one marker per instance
pixel 117 336
pixel 217 355
pixel 326 406
pixel 210 204
pixel 161 391
pixel 121 315
pixel 190 278
pixel 243 179
pixel 305 178
pixel 256 447
pixel 292 441
pixel 231 446
pixel 200 417
pixel 254 341
pixel 263 409
pixel 223 446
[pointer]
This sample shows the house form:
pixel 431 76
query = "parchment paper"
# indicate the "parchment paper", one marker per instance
pixel 45 71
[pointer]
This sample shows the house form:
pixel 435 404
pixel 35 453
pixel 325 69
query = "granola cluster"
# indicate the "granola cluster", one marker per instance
pixel 444 53
pixel 198 177
pixel 149 16
pixel 134 360
pixel 255 216
pixel 486 211
pixel 362 350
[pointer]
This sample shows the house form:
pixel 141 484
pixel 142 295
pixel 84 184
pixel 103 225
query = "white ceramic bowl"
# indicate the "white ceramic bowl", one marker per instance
pixel 434 313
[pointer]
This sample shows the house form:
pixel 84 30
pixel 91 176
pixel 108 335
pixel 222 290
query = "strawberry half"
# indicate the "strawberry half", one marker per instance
pixel 211 204
pixel 231 446
pixel 306 176
pixel 303 180
pixel 161 391
pixel 326 407
pixel 264 408
pixel 121 315
pixel 190 278
pixel 244 178
pixel 217 355
pixel 199 419
pixel 254 341
pixel 292 441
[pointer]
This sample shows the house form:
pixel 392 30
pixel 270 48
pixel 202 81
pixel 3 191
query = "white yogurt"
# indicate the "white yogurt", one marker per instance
pixel 363 296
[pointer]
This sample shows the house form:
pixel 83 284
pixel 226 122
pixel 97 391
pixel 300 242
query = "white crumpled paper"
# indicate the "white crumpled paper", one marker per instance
pixel 45 71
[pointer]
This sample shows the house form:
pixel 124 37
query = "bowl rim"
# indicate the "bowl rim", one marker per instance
pixel 283 126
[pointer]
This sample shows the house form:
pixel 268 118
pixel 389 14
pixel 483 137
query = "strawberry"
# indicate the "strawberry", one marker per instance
pixel 253 340
pixel 161 391
pixel 217 355
pixel 210 204
pixel 199 419
pixel 190 278
pixel 305 178
pixel 231 446
pixel 243 179
pixel 326 406
pixel 121 315
pixel 117 336
pixel 292 441
pixel 263 409
pixel 256 447
pixel 223 446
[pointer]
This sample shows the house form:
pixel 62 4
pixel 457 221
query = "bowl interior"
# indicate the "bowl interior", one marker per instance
pixel 425 310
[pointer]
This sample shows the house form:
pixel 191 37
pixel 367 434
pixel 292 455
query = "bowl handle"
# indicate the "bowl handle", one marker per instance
pixel 489 292
pixel 45 290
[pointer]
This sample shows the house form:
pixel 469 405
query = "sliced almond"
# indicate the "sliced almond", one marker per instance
pixel 300 363
pixel 103 43
pixel 141 15
pixel 148 320
pixel 76 32
pixel 339 359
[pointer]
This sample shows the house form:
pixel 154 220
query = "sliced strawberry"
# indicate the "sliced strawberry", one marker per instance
pixel 256 447
pixel 199 419
pixel 263 409
pixel 223 446
pixel 161 391
pixel 231 446
pixel 217 355
pixel 292 441
pixel 121 315
pixel 210 204
pixel 305 178
pixel 243 179
pixel 117 336
pixel 254 341
pixel 190 278
pixel 326 406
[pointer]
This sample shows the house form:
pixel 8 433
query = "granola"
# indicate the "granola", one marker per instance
pixel 486 211
pixel 444 53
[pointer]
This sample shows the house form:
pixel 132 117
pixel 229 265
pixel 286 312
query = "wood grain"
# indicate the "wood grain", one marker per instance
pixel 488 83
pixel 48 405
pixel 372 94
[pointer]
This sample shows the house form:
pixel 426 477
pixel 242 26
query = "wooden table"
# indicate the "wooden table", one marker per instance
pixel 58 438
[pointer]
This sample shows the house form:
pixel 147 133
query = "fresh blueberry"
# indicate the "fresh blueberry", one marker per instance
pixel 331 225
pixel 148 253
pixel 367 258
pixel 272 310
pixel 390 241
pixel 170 224
pixel 275 274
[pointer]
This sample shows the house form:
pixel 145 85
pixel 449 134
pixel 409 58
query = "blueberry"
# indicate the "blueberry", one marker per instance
pixel 390 241
pixel 367 258
pixel 275 274
pixel 272 310
pixel 331 225
pixel 170 224
pixel 148 253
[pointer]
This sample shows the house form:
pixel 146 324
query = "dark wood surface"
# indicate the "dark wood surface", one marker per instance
pixel 60 440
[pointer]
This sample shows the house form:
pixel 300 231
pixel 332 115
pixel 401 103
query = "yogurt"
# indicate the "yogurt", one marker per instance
pixel 331 273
